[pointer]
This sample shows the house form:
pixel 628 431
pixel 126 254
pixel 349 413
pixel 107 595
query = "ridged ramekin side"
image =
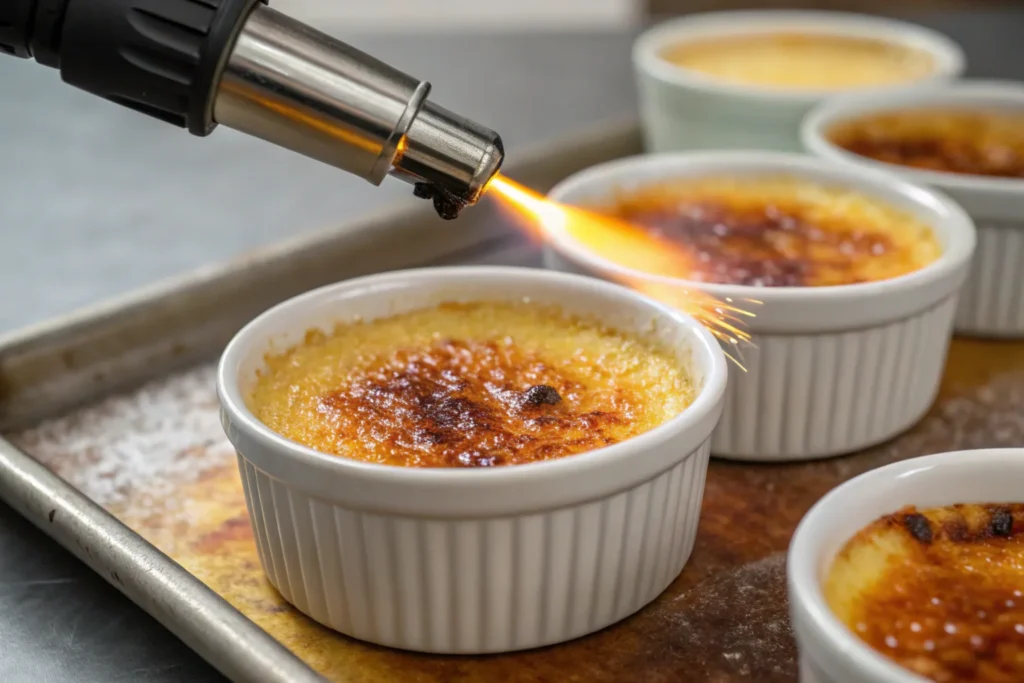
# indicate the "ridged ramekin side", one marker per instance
pixel 992 300
pixel 477 585
pixel 808 396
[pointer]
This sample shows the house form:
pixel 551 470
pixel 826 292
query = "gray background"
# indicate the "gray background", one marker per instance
pixel 95 200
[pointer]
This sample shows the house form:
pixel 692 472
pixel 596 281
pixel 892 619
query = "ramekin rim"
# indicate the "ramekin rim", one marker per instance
pixel 950 57
pixel 851 105
pixel 699 411
pixel 804 587
pixel 950 260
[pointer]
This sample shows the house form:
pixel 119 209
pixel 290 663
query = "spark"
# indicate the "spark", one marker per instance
pixel 634 250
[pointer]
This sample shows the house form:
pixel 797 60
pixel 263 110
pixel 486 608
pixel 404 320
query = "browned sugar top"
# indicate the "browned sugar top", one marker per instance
pixel 949 604
pixel 468 403
pixel 469 385
pixel 779 233
pixel 966 142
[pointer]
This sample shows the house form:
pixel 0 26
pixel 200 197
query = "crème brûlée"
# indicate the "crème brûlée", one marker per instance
pixel 795 60
pixel 940 591
pixel 984 143
pixel 771 232
pixel 469 385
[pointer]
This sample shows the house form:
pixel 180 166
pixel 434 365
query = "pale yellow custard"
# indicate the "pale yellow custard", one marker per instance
pixel 802 60
pixel 469 385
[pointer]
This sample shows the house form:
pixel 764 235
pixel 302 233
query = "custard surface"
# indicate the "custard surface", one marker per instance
pixel 802 60
pixel 984 143
pixel 468 385
pixel 940 591
pixel 775 232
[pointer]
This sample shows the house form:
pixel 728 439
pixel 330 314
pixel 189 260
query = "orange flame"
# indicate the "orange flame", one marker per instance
pixel 633 248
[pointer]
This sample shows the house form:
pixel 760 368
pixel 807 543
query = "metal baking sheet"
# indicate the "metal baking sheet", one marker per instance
pixel 114 448
pixel 91 496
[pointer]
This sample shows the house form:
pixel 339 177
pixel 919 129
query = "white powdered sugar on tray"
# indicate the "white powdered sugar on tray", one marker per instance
pixel 991 418
pixel 140 445
pixel 168 433
pixel 736 622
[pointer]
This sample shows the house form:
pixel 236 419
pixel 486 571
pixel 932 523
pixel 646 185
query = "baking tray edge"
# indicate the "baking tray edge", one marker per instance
pixel 119 344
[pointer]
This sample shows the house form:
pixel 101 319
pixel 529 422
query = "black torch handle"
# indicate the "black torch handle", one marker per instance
pixel 18 26
pixel 159 57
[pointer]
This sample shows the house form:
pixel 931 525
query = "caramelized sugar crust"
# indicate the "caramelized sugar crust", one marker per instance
pixel 468 385
pixel 968 142
pixel 940 591
pixel 802 60
pixel 779 232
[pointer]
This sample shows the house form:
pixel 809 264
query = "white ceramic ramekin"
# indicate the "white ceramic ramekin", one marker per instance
pixel 473 560
pixel 829 652
pixel 832 369
pixel 684 110
pixel 992 300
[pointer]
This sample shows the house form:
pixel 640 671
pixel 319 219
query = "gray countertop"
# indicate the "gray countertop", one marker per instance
pixel 95 200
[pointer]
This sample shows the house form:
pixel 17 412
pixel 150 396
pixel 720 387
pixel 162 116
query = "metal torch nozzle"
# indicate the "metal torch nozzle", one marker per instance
pixel 449 158
pixel 296 87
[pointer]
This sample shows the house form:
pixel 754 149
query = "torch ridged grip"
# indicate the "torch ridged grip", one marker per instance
pixel 159 57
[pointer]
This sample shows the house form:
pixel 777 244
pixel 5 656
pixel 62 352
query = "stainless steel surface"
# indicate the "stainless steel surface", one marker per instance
pixel 306 91
pixel 120 344
pixel 88 214
pixel 205 622
pixel 292 85
pixel 62 622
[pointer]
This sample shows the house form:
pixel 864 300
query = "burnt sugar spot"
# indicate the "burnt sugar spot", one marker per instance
pixel 918 526
pixel 465 404
pixel 1001 523
pixel 542 394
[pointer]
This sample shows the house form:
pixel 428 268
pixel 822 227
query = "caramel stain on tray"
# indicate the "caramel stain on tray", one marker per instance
pixel 157 460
